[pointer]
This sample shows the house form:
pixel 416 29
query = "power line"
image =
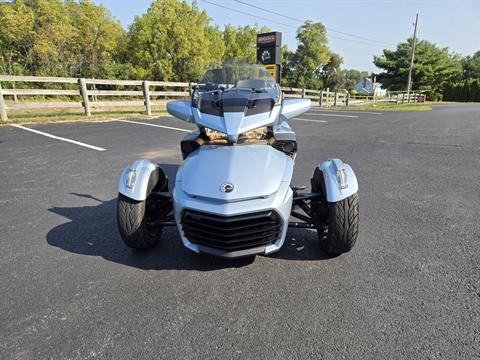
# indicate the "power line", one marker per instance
pixel 298 20
pixel 269 11
pixel 248 14
pixel 355 41
pixel 283 24
pixel 360 37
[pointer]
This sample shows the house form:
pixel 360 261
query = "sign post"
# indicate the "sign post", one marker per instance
pixel 269 52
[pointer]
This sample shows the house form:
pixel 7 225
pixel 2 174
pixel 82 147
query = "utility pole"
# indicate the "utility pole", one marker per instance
pixel 409 83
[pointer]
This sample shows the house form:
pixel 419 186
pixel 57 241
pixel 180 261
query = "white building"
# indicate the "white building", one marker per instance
pixel 366 87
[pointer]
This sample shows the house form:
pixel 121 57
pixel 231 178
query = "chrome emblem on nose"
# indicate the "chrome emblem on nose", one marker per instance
pixel 227 187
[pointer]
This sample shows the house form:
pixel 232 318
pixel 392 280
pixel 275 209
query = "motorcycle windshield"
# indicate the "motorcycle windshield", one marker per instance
pixel 228 97
pixel 234 99
pixel 231 73
pixel 236 87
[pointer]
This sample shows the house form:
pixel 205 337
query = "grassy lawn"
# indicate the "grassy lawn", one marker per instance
pixel 426 106
pixel 39 116
pixel 64 115
pixel 393 107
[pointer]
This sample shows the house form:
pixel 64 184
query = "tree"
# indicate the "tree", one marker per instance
pixel 352 77
pixel 471 66
pixel 14 46
pixel 96 40
pixel 287 76
pixel 56 38
pixel 311 55
pixel 171 42
pixel 35 37
pixel 467 89
pixel 332 76
pixel 241 42
pixel 215 43
pixel 433 68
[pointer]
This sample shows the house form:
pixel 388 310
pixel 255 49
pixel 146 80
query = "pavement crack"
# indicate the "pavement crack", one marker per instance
pixel 434 144
pixel 420 143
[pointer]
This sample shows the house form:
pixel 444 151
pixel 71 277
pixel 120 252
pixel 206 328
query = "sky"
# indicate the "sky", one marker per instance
pixel 448 23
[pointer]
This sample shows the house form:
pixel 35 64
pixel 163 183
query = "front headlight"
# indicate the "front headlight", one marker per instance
pixel 252 136
pixel 216 136
pixel 255 134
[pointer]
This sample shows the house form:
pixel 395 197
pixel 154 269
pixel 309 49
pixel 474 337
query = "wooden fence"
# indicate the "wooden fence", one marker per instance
pixel 324 98
pixel 398 97
pixel 150 93
pixel 404 97
pixel 86 90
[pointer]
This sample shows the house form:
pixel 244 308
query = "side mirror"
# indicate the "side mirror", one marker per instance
pixel 181 109
pixel 294 107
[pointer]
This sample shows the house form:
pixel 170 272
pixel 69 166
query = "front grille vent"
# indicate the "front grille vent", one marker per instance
pixel 231 233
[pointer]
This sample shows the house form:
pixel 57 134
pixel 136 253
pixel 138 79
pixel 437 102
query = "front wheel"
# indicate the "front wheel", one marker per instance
pixel 133 223
pixel 337 222
pixel 341 230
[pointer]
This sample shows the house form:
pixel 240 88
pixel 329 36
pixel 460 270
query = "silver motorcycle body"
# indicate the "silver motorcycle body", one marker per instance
pixel 232 195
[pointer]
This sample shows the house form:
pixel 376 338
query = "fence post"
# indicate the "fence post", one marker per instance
pixel 303 93
pixel 320 101
pixel 146 97
pixel 84 93
pixel 335 97
pixel 15 97
pixel 347 99
pixel 3 108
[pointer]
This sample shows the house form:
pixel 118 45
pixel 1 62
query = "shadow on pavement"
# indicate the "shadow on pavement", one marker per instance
pixel 301 244
pixel 92 230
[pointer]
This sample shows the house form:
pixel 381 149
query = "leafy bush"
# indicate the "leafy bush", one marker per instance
pixel 465 91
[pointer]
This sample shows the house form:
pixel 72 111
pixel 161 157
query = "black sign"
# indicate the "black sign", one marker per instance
pixel 267 38
pixel 269 50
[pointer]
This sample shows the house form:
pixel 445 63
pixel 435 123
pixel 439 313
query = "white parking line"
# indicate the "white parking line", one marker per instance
pixel 59 138
pixel 350 111
pixel 335 115
pixel 155 125
pixel 310 120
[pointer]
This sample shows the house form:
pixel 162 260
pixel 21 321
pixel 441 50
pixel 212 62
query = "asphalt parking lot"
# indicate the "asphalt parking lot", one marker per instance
pixel 410 289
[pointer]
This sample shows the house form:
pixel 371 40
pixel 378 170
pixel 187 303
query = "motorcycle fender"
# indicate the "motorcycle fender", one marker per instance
pixel 138 179
pixel 340 180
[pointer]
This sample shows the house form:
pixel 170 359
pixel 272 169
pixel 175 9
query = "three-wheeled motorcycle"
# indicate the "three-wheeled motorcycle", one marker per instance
pixel 232 196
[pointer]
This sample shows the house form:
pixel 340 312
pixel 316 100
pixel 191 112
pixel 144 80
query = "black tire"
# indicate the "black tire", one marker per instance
pixel 340 234
pixel 338 222
pixel 132 219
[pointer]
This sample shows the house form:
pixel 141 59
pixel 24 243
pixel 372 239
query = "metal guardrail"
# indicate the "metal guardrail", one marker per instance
pixel 88 93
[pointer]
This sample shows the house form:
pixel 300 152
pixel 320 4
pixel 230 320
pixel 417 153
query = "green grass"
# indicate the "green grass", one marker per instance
pixel 35 117
pixel 426 106
pixel 392 107
pixel 51 115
